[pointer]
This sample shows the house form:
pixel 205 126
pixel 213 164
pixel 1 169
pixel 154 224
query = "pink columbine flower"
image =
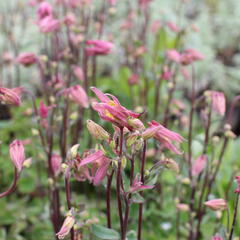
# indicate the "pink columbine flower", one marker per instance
pixel 43 109
pixel 238 183
pixel 78 73
pixel 66 227
pixel 218 102
pixel 133 79
pixel 217 237
pixel 69 19
pixel 112 111
pixel 44 10
pixel 165 136
pixel 56 162
pixel 26 59
pixel 98 170
pixel 98 47
pixel 216 204
pixel 49 24
pixel 167 74
pixel 17 154
pixel 138 185
pixel 191 55
pixel 174 55
pixel 173 27
pixel 199 165
pixel 156 25
pixel 77 94
pixel 11 96
pixel 112 2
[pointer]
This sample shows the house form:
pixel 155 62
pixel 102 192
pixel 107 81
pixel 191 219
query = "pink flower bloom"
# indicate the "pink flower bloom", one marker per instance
pixel 112 111
pixel 190 55
pixel 138 186
pixel 216 204
pixel 218 102
pixel 11 96
pixel 165 136
pixel 172 26
pixel 97 170
pixel 166 75
pixel 133 79
pixel 78 73
pixel 56 162
pixel 17 154
pixel 77 94
pixel 156 25
pixel 43 109
pixel 217 237
pixel 112 2
pixel 66 227
pixel 49 24
pixel 69 19
pixel 26 59
pixel 238 183
pixel 44 10
pixel 98 47
pixel 174 55
pixel 199 165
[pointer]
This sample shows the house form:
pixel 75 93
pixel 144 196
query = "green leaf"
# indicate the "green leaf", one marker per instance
pixel 137 198
pixel 104 233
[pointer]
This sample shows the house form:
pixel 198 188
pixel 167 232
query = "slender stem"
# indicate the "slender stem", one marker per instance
pixel 13 186
pixel 68 195
pixel 108 199
pixel 118 182
pixel 140 211
pixel 234 217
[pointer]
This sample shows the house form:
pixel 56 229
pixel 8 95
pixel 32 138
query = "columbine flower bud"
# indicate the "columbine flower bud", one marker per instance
pixel 215 139
pixel 27 163
pixel 17 154
pixel 131 139
pixel 124 162
pixel 136 123
pixel 182 207
pixel 66 227
pixel 112 144
pixel 72 153
pixel 216 204
pixel 230 134
pixel 171 164
pixel 97 131
pixel 139 144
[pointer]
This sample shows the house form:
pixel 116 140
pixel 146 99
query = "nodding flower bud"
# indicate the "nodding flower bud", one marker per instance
pixel 17 154
pixel 73 152
pixel 138 144
pixel 135 123
pixel 10 96
pixel 230 134
pixel 97 131
pixel 171 164
pixel 66 227
pixel 182 207
pixel 216 204
pixel 131 139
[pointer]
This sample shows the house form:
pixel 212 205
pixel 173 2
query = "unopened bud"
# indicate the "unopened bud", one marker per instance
pixel 131 139
pixel 72 153
pixel 227 127
pixel 215 139
pixel 136 123
pixel 216 204
pixel 97 131
pixel 124 162
pixel 230 134
pixel 171 164
pixel 183 207
pixel 139 144
pixel 112 144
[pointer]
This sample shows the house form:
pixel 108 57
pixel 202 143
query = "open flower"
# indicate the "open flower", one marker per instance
pixel 138 185
pixel 190 55
pixel 44 10
pixel 17 154
pixel 199 165
pixel 216 204
pixel 26 59
pixel 49 24
pixel 93 167
pixel 164 136
pixel 43 110
pixel 11 96
pixel 112 111
pixel 98 47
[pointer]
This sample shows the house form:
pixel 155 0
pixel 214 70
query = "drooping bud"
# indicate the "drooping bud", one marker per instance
pixel 182 207
pixel 131 139
pixel 97 131
pixel 216 204
pixel 66 227
pixel 17 154
pixel 136 123
pixel 72 153
pixel 171 164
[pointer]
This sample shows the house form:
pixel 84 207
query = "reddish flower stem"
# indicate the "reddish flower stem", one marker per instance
pixel 234 216
pixel 108 199
pixel 13 186
pixel 140 211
